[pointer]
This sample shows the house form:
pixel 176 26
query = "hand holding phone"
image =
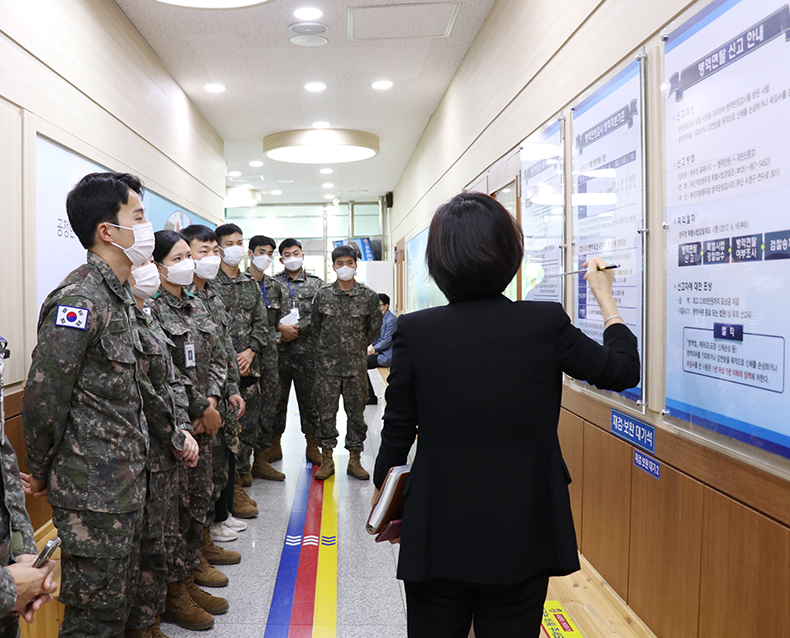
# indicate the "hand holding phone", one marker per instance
pixel 47 552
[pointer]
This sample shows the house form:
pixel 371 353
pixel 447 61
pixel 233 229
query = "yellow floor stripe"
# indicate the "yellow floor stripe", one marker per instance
pixel 325 616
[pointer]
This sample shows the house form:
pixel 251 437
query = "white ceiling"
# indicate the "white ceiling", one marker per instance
pixel 248 50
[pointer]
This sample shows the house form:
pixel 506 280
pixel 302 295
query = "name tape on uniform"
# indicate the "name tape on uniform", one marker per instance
pixel 72 317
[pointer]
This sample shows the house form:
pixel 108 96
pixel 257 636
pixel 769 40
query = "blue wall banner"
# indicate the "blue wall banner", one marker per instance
pixel 727 170
pixel 633 430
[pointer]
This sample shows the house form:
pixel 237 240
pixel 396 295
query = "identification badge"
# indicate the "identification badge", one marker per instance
pixel 189 355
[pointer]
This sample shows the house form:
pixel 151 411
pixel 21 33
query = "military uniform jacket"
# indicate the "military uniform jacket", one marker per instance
pixel 186 321
pixel 345 324
pixel 246 315
pixel 272 295
pixel 165 401
pixel 82 411
pixel 299 293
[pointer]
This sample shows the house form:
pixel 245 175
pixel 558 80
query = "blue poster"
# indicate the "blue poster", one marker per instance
pixel 727 95
pixel 421 291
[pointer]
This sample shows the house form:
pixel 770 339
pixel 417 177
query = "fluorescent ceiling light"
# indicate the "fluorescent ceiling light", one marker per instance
pixel 382 85
pixel 326 171
pixel 234 174
pixel 285 181
pixel 277 192
pixel 256 163
pixel 320 124
pixel 308 13
pixel 321 146
pixel 214 88
pixel 315 87
pixel 212 4
pixel 327 185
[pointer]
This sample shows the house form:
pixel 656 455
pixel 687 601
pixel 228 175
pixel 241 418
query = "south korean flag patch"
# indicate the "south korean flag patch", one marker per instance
pixel 72 317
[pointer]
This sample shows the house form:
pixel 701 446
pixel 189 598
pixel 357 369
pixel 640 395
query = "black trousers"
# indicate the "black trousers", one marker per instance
pixel 372 365
pixel 446 608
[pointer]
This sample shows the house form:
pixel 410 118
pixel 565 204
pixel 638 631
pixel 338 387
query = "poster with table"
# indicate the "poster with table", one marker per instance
pixel 608 201
pixel 543 213
pixel 727 123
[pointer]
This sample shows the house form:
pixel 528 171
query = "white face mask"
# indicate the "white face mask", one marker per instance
pixel 207 267
pixel 293 264
pixel 146 281
pixel 143 247
pixel 181 273
pixel 262 262
pixel 232 255
pixel 345 273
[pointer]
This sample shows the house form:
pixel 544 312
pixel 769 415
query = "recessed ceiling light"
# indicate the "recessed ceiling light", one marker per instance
pixel 256 163
pixel 213 4
pixel 315 87
pixel 327 185
pixel 308 13
pixel 276 192
pixel 329 196
pixel 326 171
pixel 214 88
pixel 285 181
pixel 234 174
pixel 381 85
pixel 320 124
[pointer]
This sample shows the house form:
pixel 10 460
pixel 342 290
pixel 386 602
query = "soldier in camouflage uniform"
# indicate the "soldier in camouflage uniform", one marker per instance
pixel 296 350
pixel 346 320
pixel 247 327
pixel 165 406
pixel 82 414
pixel 199 356
pixel 260 252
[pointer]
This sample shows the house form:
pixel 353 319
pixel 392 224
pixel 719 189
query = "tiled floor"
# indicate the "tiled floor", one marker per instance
pixel 370 601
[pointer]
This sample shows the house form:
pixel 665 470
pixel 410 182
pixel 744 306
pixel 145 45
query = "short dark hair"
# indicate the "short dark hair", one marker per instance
pixel 287 243
pixel 475 247
pixel 344 251
pixel 198 232
pixel 227 229
pixel 164 240
pixel 96 199
pixel 384 298
pixel 261 240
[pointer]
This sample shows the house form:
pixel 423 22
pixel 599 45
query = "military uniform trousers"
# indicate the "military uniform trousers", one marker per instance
pixel 327 392
pixel 100 568
pixel 9 624
pixel 249 424
pixel 298 369
pixel 270 399
pixel 157 546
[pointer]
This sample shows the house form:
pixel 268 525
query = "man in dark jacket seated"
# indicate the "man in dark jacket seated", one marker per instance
pixel 380 353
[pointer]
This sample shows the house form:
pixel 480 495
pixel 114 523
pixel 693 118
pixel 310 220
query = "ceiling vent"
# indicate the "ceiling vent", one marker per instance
pixel 402 21
pixel 308 28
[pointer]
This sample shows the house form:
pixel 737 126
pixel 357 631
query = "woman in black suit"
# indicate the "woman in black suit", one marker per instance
pixel 487 517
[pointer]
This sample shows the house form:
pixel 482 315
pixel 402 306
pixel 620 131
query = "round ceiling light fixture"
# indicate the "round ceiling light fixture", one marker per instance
pixel 213 4
pixel 309 40
pixel 321 146
pixel 308 28
pixel 256 163
pixel 234 174
pixel 320 125
pixel 276 192
pixel 214 88
pixel 382 85
pixel 327 185
pixel 315 87
pixel 308 13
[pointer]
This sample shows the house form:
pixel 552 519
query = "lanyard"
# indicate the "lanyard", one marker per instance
pixel 263 292
pixel 288 282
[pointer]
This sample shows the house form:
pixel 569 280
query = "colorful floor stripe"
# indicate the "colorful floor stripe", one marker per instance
pixel 304 603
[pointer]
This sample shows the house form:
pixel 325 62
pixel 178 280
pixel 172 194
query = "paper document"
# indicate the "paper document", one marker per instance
pixel 291 319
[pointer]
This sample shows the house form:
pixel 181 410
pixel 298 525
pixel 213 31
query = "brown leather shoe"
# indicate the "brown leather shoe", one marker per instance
pixel 212 604
pixel 216 555
pixel 276 450
pixel 327 468
pixel 242 508
pixel 185 612
pixel 207 576
pixel 263 470
pixel 355 468
pixel 312 452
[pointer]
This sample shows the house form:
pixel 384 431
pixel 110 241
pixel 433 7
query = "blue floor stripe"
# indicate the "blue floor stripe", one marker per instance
pixel 279 619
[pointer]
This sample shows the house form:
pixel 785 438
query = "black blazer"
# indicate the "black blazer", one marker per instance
pixel 487 500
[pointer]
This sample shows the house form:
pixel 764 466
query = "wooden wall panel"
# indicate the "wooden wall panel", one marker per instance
pixel 745 572
pixel 606 510
pixel 38 508
pixel 665 551
pixel 571 435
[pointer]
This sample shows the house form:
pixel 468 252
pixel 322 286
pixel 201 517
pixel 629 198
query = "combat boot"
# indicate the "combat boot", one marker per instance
pixel 156 631
pixel 327 468
pixel 263 470
pixel 355 468
pixel 246 479
pixel 276 450
pixel 138 633
pixel 214 554
pixel 242 508
pixel 182 610
pixel 312 452
pixel 207 576
pixel 212 604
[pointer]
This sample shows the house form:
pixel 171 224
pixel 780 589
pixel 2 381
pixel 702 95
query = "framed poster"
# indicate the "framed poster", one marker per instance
pixel 609 201
pixel 421 291
pixel 727 169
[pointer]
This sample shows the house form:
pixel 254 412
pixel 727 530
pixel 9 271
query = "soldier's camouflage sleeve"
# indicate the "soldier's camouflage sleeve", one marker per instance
pixel 234 374
pixel 7 592
pixel 179 386
pixel 305 323
pixel 259 337
pixel 375 319
pixel 15 503
pixel 316 316
pixel 218 370
pixel 57 359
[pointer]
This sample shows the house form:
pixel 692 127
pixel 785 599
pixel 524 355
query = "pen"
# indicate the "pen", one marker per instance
pixel 577 272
